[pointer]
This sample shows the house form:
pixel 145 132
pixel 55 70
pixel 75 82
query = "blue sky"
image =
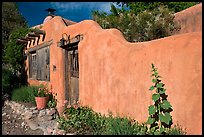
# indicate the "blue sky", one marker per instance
pixel 34 12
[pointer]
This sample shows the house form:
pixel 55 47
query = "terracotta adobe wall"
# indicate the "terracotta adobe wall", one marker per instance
pixel 53 29
pixel 115 75
pixel 190 19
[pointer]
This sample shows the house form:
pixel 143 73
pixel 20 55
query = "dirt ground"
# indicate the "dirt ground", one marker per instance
pixel 13 124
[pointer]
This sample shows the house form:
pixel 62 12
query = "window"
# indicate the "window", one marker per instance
pixel 39 64
pixel 74 63
pixel 34 65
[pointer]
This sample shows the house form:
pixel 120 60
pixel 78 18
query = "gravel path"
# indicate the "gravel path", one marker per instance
pixel 13 124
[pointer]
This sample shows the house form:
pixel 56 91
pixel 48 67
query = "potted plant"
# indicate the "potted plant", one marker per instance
pixel 41 97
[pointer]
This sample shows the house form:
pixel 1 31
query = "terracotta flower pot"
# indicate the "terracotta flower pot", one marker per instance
pixel 41 102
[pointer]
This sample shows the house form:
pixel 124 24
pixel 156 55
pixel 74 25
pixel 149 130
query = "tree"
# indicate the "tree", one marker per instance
pixel 138 7
pixel 142 21
pixel 11 20
pixel 14 26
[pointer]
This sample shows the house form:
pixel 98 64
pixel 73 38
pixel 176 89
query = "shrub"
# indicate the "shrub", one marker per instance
pixel 118 126
pixel 176 130
pixel 144 26
pixel 24 94
pixel 81 119
pixel 9 81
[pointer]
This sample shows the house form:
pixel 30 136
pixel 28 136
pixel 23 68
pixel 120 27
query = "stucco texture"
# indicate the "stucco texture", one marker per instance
pixel 114 75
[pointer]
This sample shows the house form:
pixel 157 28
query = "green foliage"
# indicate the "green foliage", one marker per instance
pixel 11 20
pixel 14 53
pixel 9 81
pixel 24 94
pixel 176 130
pixel 52 102
pixel 84 121
pixel 138 7
pixel 118 126
pixel 159 113
pixel 81 119
pixel 142 21
pixel 142 26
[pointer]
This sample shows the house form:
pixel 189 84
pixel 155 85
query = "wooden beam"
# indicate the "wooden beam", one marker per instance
pixel 70 44
pixel 39 32
pixel 45 44
pixel 22 40
pixel 32 34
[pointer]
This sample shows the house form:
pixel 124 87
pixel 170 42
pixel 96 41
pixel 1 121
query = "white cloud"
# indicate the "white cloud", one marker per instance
pixel 67 6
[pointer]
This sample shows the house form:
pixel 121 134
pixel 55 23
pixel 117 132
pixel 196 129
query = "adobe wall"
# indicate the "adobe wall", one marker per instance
pixel 190 19
pixel 114 75
pixel 53 29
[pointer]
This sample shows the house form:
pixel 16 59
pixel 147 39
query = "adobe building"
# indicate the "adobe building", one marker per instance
pixel 100 69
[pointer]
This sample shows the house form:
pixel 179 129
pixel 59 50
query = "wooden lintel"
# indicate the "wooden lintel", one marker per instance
pixel 39 32
pixel 33 35
pixel 29 38
pixel 45 44
pixel 22 40
pixel 71 43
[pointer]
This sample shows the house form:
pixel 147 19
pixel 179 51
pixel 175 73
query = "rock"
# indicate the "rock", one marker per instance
pixel 41 113
pixel 18 112
pixel 49 130
pixel 60 132
pixel 51 112
pixel 54 132
pixel 70 134
pixel 28 115
pixel 23 124
pixel 33 125
pixel 45 118
pixel 4 114
pixel 35 111
pixel 33 108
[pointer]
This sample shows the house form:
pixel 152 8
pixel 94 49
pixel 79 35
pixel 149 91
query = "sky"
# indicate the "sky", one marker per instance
pixel 34 12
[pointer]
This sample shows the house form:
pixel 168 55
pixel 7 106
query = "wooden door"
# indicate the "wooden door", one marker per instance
pixel 72 76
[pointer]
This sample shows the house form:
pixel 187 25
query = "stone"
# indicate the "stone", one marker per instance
pixel 60 132
pixel 49 130
pixel 33 108
pixel 54 132
pixel 51 112
pixel 4 114
pixel 33 125
pixel 28 115
pixel 23 124
pixel 35 111
pixel 41 113
pixel 45 118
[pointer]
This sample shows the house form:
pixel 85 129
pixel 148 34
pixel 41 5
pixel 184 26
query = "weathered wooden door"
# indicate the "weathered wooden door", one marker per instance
pixel 72 76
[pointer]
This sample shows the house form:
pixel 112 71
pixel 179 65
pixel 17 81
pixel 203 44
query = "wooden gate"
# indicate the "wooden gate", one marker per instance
pixel 72 76
pixel 70 47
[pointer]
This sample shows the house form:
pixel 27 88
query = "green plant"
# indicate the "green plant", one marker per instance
pixel 41 91
pixel 159 113
pixel 24 94
pixel 176 130
pixel 52 102
pixel 139 26
pixel 118 126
